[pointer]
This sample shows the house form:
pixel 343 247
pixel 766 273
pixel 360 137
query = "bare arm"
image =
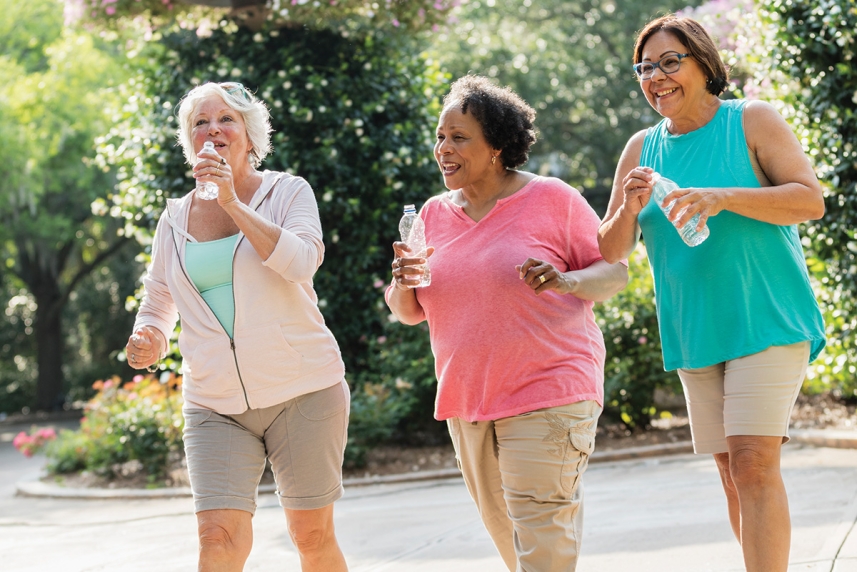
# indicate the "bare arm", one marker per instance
pixel 794 194
pixel 619 231
pixel 597 282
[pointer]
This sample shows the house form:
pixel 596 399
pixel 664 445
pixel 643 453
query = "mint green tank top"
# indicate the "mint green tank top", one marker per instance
pixel 209 266
pixel 744 289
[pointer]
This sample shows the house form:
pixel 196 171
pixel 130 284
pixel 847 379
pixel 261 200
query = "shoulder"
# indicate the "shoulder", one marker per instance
pixel 762 122
pixel 557 192
pixel 634 146
pixel 758 112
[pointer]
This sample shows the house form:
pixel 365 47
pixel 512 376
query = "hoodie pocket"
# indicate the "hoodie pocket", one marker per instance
pixel 265 358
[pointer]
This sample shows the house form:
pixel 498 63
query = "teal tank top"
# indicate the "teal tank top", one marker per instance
pixel 744 289
pixel 209 266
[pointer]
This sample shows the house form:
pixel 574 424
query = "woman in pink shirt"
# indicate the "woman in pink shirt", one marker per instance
pixel 519 358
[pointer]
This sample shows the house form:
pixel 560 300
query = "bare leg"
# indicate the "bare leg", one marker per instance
pixel 722 460
pixel 225 539
pixel 313 535
pixel 754 468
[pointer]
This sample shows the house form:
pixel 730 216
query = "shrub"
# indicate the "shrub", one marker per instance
pixel 634 368
pixel 136 421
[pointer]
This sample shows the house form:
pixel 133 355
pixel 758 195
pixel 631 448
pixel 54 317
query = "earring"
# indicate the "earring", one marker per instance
pixel 493 159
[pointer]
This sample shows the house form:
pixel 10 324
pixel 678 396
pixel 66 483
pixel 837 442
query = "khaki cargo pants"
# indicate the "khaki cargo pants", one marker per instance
pixel 524 472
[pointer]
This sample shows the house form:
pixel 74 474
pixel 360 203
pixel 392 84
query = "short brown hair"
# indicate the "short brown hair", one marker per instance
pixel 699 44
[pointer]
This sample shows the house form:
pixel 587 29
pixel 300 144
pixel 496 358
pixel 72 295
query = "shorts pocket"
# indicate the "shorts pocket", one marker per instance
pixel 193 418
pixel 581 439
pixel 323 404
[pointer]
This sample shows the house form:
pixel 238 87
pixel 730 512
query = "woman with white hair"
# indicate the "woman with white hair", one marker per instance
pixel 262 374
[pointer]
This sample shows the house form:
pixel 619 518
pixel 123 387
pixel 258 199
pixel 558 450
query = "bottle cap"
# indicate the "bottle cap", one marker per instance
pixel 410 208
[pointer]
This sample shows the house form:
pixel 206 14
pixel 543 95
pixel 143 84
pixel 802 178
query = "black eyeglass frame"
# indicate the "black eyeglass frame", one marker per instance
pixel 657 66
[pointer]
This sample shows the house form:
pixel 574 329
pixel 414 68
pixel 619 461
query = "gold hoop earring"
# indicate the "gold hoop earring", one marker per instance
pixel 493 159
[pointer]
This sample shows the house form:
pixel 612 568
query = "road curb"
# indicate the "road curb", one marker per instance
pixel 35 487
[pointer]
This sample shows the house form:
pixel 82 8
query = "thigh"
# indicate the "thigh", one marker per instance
pixel 703 393
pixel 543 453
pixel 306 444
pixel 761 389
pixel 225 461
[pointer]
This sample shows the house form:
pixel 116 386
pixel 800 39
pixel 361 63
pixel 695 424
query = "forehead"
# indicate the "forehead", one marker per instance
pixel 212 105
pixel 451 117
pixel 661 44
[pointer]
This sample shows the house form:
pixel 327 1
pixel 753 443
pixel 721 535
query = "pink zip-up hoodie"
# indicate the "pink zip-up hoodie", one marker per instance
pixel 281 347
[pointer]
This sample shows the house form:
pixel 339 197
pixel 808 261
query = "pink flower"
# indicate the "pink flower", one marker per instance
pixel 379 283
pixel 137 378
pixel 20 440
pixel 46 433
pixel 642 340
pixel 382 339
pixel 395 22
pixel 110 10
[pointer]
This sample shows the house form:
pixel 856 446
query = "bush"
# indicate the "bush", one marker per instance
pixel 634 368
pixel 137 421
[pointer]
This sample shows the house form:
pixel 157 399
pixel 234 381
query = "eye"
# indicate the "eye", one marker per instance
pixel 199 122
pixel 645 68
pixel 669 61
pixel 227 118
pixel 440 137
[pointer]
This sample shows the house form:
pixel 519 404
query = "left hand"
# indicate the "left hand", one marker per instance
pixel 144 348
pixel 542 276
pixel 212 168
pixel 690 201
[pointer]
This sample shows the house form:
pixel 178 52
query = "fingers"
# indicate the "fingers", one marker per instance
pixel 538 275
pixel 408 269
pixel 141 350
pixel 637 188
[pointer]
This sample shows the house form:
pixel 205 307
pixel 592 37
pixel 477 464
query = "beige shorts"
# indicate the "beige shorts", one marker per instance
pixel 303 438
pixel 751 395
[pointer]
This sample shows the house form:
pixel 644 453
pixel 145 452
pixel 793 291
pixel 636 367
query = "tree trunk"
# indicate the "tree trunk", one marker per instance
pixel 49 347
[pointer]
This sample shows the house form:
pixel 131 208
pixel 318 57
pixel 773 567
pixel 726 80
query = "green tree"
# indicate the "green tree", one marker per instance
pixel 572 62
pixel 52 105
pixel 814 43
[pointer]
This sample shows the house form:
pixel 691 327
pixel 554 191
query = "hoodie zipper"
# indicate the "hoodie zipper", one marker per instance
pixel 231 340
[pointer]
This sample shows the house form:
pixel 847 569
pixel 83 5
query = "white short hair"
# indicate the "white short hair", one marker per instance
pixel 257 118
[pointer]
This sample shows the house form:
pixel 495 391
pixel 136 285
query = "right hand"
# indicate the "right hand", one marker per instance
pixel 637 189
pixel 144 347
pixel 407 271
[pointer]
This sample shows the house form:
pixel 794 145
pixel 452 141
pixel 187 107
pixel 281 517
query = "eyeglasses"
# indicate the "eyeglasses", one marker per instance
pixel 667 64
pixel 235 88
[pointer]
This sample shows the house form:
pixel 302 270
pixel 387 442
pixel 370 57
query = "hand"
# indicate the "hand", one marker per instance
pixel 407 271
pixel 144 347
pixel 689 202
pixel 542 276
pixel 637 189
pixel 212 168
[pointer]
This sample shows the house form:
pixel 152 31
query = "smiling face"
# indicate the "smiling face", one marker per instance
pixel 461 150
pixel 680 95
pixel 215 121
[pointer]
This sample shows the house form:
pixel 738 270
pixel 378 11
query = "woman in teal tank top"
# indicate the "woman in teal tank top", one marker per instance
pixel 737 316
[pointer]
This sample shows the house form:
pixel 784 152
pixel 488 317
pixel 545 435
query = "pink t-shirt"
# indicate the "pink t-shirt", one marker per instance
pixel 499 349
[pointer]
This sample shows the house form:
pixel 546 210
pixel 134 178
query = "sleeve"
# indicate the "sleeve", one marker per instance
pixel 582 232
pixel 300 250
pixel 158 309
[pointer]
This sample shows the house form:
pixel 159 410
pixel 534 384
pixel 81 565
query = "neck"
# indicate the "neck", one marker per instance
pixel 489 190
pixel 705 112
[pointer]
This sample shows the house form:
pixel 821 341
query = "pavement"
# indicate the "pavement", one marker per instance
pixel 644 514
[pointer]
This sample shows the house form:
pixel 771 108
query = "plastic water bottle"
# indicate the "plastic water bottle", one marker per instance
pixel 207 191
pixel 660 189
pixel 413 231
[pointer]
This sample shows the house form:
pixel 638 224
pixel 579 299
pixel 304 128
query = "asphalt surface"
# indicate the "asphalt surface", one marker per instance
pixel 660 514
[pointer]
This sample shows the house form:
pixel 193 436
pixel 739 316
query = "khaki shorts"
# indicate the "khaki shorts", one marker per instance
pixel 304 439
pixel 751 395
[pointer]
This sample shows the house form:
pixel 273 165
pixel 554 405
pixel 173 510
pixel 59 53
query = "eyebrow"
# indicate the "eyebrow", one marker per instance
pixel 663 54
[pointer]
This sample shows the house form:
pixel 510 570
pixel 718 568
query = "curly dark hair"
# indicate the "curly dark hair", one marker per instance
pixel 505 118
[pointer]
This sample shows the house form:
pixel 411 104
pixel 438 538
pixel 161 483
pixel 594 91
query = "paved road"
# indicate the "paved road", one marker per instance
pixel 665 514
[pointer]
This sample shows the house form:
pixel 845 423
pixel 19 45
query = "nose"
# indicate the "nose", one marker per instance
pixel 213 127
pixel 442 147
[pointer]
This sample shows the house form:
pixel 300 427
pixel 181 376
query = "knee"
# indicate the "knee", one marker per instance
pixel 309 538
pixel 752 467
pixel 217 539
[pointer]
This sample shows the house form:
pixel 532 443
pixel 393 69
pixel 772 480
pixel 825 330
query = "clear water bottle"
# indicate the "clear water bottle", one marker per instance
pixel 660 189
pixel 413 231
pixel 207 191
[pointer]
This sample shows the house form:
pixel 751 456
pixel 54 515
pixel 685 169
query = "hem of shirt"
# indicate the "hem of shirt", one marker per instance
pixel 599 399
pixel 756 349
